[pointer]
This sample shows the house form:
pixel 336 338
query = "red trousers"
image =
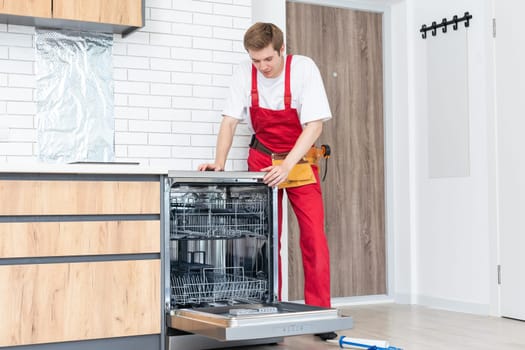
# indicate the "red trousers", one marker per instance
pixel 307 203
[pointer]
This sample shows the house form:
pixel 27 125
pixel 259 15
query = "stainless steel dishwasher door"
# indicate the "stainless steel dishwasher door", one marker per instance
pixel 224 324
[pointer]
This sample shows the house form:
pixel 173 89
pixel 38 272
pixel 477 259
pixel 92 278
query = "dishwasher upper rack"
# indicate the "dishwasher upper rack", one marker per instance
pixel 217 217
pixel 214 285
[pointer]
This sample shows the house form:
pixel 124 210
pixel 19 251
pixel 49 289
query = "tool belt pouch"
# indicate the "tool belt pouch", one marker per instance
pixel 300 175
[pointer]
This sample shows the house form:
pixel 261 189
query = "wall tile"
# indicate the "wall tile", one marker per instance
pixel 170 79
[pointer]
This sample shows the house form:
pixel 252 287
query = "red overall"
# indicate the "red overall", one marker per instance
pixel 278 131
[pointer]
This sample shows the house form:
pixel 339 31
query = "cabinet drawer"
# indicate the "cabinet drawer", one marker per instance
pixel 121 12
pixel 78 301
pixel 30 8
pixel 37 239
pixel 50 197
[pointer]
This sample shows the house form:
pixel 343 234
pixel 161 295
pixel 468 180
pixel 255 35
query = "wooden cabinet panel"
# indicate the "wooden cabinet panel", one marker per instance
pixel 121 12
pixel 37 239
pixel 79 197
pixel 79 301
pixel 33 8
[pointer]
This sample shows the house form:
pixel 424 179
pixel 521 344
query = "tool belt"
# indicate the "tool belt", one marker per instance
pixel 302 172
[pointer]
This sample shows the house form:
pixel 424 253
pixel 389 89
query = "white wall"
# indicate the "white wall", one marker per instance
pixel 270 11
pixel 451 219
pixel 17 83
pixel 170 79
pixel 401 174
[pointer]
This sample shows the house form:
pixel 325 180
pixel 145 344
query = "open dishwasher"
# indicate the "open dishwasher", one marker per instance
pixel 223 265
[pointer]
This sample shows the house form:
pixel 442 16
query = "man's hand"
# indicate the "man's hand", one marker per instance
pixel 210 167
pixel 276 174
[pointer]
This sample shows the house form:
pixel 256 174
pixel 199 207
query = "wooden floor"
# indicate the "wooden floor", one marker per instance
pixel 419 328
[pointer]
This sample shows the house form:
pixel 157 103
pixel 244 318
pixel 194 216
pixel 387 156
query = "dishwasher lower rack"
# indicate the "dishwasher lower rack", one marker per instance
pixel 217 285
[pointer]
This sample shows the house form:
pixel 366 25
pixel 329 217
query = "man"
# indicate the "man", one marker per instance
pixel 284 102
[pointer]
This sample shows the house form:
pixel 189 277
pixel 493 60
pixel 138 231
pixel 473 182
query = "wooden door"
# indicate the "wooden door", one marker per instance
pixel 510 89
pixel 347 47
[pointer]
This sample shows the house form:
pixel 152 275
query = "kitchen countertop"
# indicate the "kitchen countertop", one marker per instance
pixel 82 168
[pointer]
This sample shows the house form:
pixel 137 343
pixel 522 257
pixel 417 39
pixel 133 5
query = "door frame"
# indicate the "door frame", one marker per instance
pixel 381 6
pixel 507 200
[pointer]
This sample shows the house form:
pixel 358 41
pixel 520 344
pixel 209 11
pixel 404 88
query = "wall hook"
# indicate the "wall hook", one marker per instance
pixel 444 23
pixel 467 19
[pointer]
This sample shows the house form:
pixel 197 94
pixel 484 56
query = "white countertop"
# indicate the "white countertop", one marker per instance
pixel 82 168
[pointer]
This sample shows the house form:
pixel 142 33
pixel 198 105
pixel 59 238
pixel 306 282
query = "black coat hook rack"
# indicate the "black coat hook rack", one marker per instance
pixel 444 23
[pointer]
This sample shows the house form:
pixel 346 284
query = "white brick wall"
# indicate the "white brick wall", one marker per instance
pixel 170 80
pixel 17 91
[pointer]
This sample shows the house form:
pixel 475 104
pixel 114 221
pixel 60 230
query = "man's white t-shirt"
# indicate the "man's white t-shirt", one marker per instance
pixel 308 93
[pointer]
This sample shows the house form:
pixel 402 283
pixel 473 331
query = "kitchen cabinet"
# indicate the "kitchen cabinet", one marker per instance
pixel 66 238
pixel 121 12
pixel 45 303
pixel 68 197
pixel 33 8
pixel 109 16
pixel 80 260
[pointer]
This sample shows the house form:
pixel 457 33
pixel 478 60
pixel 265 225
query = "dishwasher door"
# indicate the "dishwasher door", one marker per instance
pixel 257 321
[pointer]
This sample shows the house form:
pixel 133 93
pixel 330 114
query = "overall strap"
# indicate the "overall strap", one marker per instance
pixel 287 90
pixel 255 93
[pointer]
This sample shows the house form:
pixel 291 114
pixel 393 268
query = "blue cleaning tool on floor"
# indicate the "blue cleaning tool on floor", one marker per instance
pixel 357 343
